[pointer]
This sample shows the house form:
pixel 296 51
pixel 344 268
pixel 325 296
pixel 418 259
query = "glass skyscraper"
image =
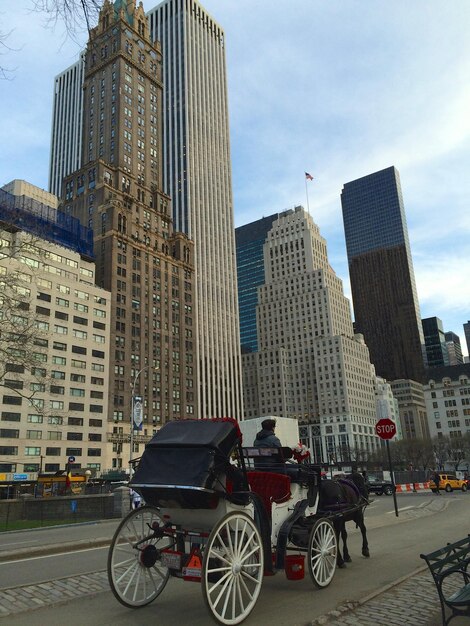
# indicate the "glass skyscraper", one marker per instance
pixel 382 277
pixel 250 273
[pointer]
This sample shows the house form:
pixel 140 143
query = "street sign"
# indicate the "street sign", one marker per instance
pixel 386 428
pixel 20 476
pixel 137 412
pixel 71 459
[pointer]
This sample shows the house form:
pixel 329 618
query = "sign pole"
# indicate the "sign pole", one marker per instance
pixel 392 476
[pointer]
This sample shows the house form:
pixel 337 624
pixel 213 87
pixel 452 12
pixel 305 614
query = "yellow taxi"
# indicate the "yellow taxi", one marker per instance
pixel 449 482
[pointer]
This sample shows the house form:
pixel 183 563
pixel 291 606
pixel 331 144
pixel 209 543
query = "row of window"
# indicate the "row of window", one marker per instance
pixel 36 451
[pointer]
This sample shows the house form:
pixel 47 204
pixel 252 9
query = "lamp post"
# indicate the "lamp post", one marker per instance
pixel 136 412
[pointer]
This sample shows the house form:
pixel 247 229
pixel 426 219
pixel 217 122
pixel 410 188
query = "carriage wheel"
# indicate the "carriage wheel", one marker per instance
pixel 322 551
pixel 135 573
pixel 232 568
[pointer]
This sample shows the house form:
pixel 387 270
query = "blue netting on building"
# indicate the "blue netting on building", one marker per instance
pixel 46 222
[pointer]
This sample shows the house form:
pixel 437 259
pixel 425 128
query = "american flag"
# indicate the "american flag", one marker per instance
pixel 308 176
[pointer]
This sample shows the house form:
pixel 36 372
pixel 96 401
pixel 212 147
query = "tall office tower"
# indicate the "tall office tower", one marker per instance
pixel 454 348
pixel 436 354
pixel 250 275
pixel 381 271
pixel 118 193
pixel 466 330
pixel 66 136
pixel 197 175
pixel 311 366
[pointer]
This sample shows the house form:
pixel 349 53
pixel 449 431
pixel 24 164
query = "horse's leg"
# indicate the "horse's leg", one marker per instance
pixel 344 537
pixel 339 524
pixel 362 526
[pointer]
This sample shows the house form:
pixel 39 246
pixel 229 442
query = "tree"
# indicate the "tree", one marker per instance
pixel 76 15
pixel 22 332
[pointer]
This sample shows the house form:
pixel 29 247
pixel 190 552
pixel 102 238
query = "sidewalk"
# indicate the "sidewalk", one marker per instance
pixel 410 601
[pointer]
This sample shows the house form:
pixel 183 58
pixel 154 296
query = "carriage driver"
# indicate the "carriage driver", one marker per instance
pixel 266 438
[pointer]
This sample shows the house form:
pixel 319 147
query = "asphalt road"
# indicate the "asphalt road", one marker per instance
pixel 426 522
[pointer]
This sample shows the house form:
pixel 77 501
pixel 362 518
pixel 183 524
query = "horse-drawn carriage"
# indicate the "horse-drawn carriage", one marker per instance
pixel 211 518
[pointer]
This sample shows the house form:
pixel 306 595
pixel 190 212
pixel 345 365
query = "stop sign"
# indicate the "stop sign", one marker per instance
pixel 385 428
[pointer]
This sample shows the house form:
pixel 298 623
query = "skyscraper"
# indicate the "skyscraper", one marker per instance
pixel 66 136
pixel 250 273
pixel 454 348
pixel 197 176
pixel 310 366
pixel 383 285
pixel 435 342
pixel 117 192
pixel 466 330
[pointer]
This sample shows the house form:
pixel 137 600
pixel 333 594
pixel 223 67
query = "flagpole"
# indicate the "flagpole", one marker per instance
pixel 306 193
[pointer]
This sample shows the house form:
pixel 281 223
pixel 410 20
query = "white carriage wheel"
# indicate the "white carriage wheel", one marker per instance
pixel 232 568
pixel 322 552
pixel 135 573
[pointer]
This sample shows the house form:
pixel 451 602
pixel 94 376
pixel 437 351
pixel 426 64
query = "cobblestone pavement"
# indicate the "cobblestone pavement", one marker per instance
pixel 411 602
pixel 19 599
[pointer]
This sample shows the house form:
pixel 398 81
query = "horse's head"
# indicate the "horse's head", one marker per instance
pixel 360 482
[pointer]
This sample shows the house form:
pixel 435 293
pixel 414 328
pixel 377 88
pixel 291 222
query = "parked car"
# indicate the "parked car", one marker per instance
pixel 449 482
pixel 380 487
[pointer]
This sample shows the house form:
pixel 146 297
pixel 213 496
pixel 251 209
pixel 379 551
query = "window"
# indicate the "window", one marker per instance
pixel 75 421
pixel 11 433
pixel 52 451
pixel 34 434
pixel 60 330
pixel 12 400
pixel 56 404
pixel 55 420
pixel 9 450
pixel 32 451
pixel 59 360
pixel 73 452
pixel 77 392
pixel 7 416
pixel 57 374
pixel 35 418
pixel 79 364
pixel 58 345
pixel 76 406
pixel 95 423
pixel 77 378
pixel 71 436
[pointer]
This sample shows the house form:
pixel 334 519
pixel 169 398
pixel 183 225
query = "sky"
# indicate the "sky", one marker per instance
pixel 336 88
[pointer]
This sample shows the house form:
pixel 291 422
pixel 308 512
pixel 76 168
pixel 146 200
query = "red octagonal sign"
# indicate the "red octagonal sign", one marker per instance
pixel 385 428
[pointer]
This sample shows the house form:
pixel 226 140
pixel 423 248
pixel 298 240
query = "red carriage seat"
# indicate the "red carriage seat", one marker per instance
pixel 271 487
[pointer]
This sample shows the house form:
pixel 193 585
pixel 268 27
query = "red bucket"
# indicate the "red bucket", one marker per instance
pixel 294 565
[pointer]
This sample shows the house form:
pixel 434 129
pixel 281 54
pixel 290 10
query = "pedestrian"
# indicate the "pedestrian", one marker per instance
pixel 437 479
pixel 136 499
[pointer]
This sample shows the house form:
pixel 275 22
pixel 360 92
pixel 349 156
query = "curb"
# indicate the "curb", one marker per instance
pixel 72 546
pixel 351 605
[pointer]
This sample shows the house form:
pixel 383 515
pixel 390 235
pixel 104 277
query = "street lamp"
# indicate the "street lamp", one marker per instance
pixel 136 414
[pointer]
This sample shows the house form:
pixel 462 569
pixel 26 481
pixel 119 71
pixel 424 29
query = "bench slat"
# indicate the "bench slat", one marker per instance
pixel 460 597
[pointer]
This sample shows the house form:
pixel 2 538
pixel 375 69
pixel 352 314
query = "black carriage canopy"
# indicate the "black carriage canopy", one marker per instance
pixel 187 453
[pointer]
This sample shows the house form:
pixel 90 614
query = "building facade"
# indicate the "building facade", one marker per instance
pixel 197 174
pixel 412 408
pixel 250 274
pixel 54 350
pixel 147 266
pixel 436 353
pixel 195 170
pixel 310 366
pixel 387 405
pixel 447 395
pixel 66 136
pixel 454 348
pixel 381 271
pixel 466 330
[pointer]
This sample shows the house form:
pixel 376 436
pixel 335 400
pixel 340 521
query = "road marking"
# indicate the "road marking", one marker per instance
pixel 48 556
pixel 402 509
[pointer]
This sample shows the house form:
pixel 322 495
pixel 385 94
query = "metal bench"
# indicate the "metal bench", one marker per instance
pixel 447 565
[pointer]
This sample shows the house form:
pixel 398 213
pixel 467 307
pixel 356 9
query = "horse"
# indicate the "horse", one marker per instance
pixel 348 497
